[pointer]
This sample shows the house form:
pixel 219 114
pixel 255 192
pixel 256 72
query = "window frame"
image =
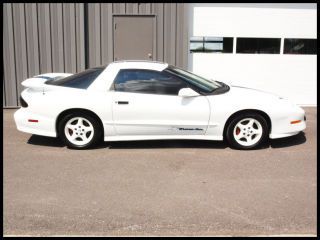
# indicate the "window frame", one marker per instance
pixel 113 88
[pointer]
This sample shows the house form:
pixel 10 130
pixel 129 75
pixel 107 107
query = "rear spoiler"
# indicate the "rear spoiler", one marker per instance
pixel 38 82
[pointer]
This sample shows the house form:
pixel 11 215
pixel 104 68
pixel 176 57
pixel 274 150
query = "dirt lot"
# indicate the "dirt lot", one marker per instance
pixel 159 187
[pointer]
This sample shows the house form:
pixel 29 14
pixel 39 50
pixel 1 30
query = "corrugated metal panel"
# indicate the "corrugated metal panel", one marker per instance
pixel 69 38
pixel 20 44
pixel 57 37
pixel 80 37
pixel 44 37
pixel 9 57
pixel 106 38
pixel 94 37
pixel 32 39
pixel 170 27
pixel 64 37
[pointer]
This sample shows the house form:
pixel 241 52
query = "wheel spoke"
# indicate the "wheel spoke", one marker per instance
pixel 256 131
pixel 241 126
pixel 70 126
pixel 87 129
pixel 250 123
pixel 80 122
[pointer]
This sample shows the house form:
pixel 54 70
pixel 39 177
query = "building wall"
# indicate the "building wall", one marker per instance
pixel 58 37
pixel 291 76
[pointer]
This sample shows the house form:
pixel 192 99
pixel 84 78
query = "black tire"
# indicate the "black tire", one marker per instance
pixel 232 124
pixel 97 133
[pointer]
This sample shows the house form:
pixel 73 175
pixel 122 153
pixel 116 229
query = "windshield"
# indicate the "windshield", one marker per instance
pixel 204 84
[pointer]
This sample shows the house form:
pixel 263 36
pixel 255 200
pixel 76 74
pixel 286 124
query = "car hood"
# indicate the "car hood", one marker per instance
pixel 248 96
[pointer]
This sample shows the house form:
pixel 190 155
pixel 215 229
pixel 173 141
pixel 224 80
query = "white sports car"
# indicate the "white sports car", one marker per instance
pixel 141 100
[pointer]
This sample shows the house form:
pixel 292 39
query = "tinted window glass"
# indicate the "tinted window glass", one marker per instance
pixel 211 44
pixel 147 81
pixel 201 83
pixel 300 46
pixel 258 45
pixel 79 80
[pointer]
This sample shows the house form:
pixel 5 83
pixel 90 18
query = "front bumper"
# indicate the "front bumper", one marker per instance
pixel 284 127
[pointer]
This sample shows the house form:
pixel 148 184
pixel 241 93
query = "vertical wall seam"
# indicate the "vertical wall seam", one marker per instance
pixel 86 35
pixel 163 32
pixel 14 55
pixel 75 37
pixel 63 45
pixel 26 36
pixel 39 55
pixel 176 35
pixel 4 87
pixel 50 32
pixel 100 24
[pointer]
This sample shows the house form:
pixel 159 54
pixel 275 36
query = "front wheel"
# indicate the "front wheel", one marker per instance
pixel 247 131
pixel 79 131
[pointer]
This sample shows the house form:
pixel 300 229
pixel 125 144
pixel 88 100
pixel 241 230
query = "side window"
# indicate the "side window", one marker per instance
pixel 147 81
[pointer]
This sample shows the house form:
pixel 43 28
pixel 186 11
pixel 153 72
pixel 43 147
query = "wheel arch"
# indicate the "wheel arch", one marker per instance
pixel 82 110
pixel 262 113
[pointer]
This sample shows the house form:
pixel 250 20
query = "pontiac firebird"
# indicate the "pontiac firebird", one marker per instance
pixel 142 100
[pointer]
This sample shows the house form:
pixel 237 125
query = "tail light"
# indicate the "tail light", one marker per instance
pixel 23 103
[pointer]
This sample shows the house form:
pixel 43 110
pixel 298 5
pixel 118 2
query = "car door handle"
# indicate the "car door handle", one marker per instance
pixel 122 102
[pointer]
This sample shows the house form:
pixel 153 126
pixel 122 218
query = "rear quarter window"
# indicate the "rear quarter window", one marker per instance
pixel 80 80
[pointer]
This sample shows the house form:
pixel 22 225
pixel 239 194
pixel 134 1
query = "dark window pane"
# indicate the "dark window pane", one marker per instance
pixel 147 81
pixel 300 46
pixel 79 80
pixel 258 45
pixel 218 44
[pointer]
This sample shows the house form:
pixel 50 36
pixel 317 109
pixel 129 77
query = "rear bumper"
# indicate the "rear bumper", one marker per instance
pixel 44 126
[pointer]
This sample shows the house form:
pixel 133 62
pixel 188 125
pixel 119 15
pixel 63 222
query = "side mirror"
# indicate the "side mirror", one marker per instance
pixel 187 92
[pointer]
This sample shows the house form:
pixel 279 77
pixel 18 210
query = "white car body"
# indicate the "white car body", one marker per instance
pixel 150 116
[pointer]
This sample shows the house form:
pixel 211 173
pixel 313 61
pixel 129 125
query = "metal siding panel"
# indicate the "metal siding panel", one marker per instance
pixel 80 37
pixel 57 37
pixel 44 37
pixel 109 31
pixel 159 11
pixel 32 39
pixel 122 8
pixel 9 57
pixel 106 33
pixel 182 36
pixel 144 8
pixel 119 8
pixel 129 8
pixel 169 33
pixel 94 35
pixel 69 37
pixel 20 44
pixel 135 8
pixel 115 8
pixel 3 94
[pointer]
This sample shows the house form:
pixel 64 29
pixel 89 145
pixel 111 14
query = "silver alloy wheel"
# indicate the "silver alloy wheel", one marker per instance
pixel 247 131
pixel 79 131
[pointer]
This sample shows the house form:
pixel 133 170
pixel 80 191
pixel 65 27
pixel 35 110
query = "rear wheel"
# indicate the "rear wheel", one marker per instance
pixel 79 130
pixel 247 131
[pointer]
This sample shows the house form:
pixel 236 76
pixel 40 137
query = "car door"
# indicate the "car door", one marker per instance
pixel 146 102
